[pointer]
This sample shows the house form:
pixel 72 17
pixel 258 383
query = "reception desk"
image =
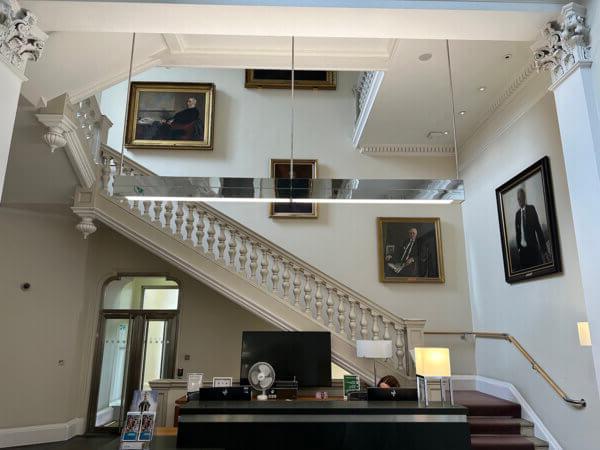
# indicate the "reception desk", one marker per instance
pixel 320 425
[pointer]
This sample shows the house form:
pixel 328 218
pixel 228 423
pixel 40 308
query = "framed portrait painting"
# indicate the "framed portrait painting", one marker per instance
pixel 410 250
pixel 304 170
pixel 170 116
pixel 528 227
pixel 282 79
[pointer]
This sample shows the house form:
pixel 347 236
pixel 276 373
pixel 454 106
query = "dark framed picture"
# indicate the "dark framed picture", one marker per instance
pixel 304 170
pixel 170 116
pixel 528 227
pixel 410 250
pixel 282 79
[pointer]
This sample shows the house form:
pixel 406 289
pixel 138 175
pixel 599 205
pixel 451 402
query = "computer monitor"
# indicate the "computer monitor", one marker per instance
pixel 301 355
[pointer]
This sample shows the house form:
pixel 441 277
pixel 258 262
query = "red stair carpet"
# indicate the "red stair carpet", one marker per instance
pixel 495 423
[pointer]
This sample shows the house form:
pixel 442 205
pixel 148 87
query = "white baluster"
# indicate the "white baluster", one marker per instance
pixel 157 210
pixel 319 299
pixel 307 294
pixel 136 206
pixel 146 214
pixel 232 250
pixel 168 215
pixel 297 283
pixel 342 313
pixel 253 263
pixel 386 328
pixel 264 265
pixel 210 240
pixel 400 347
pixel 285 285
pixel 200 229
pixel 221 239
pixel 375 325
pixel 106 173
pixel 189 221
pixel 352 318
pixel 275 273
pixel 330 303
pixel 363 322
pixel 243 252
pixel 178 219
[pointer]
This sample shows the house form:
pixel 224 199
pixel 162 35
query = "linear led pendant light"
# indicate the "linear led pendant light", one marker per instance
pixel 271 190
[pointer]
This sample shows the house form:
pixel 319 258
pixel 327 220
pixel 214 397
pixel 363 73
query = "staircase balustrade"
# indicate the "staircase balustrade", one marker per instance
pixel 292 281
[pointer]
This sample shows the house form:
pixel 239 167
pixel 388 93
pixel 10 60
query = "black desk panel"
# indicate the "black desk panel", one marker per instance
pixel 322 425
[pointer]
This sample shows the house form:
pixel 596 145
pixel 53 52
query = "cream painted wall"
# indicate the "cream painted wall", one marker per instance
pixel 252 126
pixel 40 326
pixel 10 86
pixel 541 313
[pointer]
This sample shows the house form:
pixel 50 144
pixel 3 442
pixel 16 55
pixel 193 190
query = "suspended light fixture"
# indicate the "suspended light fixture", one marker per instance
pixel 272 190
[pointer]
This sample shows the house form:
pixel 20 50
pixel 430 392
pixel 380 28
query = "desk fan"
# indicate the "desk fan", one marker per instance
pixel 261 377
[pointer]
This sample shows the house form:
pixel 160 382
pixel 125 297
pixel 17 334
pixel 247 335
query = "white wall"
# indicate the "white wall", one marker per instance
pixel 39 327
pixel 10 86
pixel 253 126
pixel 541 313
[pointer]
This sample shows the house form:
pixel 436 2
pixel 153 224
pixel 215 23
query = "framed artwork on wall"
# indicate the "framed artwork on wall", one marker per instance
pixel 410 250
pixel 528 228
pixel 304 170
pixel 282 79
pixel 170 116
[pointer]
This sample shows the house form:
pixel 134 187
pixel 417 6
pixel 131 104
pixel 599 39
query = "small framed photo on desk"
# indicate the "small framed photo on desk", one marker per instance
pixel 222 382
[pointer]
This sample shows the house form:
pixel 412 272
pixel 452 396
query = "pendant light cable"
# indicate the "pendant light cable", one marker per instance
pixel 128 99
pixel 453 107
pixel 293 79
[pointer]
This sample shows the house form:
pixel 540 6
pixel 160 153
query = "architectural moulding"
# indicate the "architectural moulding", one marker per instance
pixel 407 149
pixel 365 93
pixel 20 39
pixel 565 44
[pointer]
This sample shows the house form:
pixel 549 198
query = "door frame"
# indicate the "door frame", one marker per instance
pixel 132 314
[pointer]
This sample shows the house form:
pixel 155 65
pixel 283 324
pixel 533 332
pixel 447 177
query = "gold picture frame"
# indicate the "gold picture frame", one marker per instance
pixel 410 250
pixel 303 169
pixel 170 116
pixel 281 79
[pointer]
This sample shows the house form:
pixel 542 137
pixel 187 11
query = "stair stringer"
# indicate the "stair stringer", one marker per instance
pixel 222 279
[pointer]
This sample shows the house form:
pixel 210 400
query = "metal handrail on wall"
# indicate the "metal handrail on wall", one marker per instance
pixel 534 365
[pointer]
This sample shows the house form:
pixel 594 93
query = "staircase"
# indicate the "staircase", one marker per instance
pixel 250 270
pixel 496 424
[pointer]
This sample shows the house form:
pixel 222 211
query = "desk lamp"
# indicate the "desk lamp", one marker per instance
pixel 433 364
pixel 379 349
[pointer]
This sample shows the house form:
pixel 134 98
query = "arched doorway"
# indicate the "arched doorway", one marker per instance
pixel 135 343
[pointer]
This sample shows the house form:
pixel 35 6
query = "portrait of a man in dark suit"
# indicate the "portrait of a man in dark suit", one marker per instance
pixel 531 243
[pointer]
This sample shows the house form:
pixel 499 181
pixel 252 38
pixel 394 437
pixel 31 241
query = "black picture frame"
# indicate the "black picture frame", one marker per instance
pixel 528 226
pixel 282 79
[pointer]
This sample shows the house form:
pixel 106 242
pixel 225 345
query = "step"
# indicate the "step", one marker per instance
pixel 480 404
pixel 506 442
pixel 500 425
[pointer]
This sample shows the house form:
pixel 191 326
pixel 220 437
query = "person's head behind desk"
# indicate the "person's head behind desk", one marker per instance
pixel 388 381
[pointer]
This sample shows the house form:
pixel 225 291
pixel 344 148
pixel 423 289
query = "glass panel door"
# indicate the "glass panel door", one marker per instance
pixel 115 347
pixel 155 343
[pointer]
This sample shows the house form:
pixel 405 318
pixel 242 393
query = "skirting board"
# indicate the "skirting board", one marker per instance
pixel 40 434
pixel 506 391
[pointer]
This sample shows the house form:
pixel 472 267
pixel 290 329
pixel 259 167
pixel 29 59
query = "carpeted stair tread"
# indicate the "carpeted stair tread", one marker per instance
pixel 497 425
pixel 501 442
pixel 480 404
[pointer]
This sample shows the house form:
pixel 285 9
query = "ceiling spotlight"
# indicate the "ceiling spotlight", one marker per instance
pixel 507 57
pixel 482 88
pixel 425 57
pixel 462 113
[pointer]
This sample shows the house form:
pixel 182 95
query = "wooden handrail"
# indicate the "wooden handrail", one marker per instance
pixel 534 365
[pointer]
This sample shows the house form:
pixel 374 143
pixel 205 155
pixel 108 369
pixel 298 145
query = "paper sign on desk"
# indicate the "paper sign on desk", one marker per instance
pixel 351 384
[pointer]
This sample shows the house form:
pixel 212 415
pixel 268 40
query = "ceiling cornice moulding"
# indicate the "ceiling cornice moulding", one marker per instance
pixel 407 150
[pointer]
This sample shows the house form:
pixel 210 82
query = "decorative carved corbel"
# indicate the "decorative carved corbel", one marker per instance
pixel 86 226
pixel 565 43
pixel 20 39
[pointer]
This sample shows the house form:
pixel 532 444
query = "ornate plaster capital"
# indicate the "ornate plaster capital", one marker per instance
pixel 565 43
pixel 20 39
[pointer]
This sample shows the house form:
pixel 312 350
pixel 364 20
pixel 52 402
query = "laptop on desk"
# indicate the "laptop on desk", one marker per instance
pixel 391 394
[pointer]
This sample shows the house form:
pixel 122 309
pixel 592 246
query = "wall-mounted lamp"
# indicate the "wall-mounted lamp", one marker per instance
pixel 585 339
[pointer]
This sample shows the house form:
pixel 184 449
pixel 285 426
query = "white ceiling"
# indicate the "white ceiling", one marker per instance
pixel 414 97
